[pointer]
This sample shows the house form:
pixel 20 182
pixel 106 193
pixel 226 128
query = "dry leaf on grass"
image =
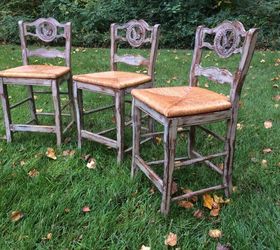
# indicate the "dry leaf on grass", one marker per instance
pixel 267 124
pixel 39 110
pixel 208 201
pixel 158 140
pixel 171 240
pixel 48 237
pixel 267 150
pixel 16 216
pixel 86 209
pixel 264 163
pixel 223 247
pixel 91 164
pixel 185 204
pixel 33 173
pixel 143 247
pixel 239 126
pixel 66 210
pixel 51 153
pixel 215 233
pixel 22 163
pixel 276 98
pixel 198 214
pixel 215 212
pixel 68 152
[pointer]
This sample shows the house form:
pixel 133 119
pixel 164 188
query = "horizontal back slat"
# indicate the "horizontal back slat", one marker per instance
pixel 132 60
pixel 214 74
pixel 47 53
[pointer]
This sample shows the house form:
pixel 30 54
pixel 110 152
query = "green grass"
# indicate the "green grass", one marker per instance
pixel 124 213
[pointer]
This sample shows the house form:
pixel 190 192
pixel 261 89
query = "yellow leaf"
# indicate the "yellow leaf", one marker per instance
pixel 16 216
pixel 264 163
pixel 171 240
pixel 51 153
pixel 215 233
pixel 158 140
pixel 207 201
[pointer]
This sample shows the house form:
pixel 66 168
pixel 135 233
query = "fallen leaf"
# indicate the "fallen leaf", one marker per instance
pixel 267 150
pixel 48 237
pixel 86 209
pixel 207 201
pixel 39 110
pixel 16 216
pixel 22 163
pixel 198 214
pixel 223 247
pixel 158 140
pixel 206 85
pixel 185 204
pixel 33 173
pixel 66 210
pixel 221 166
pixel 91 163
pixel 264 163
pixel 234 189
pixel 143 247
pixel 268 124
pixel 68 152
pixel 51 153
pixel 215 233
pixel 276 98
pixel 262 61
pixel 275 86
pixel 215 212
pixel 171 240
pixel 239 126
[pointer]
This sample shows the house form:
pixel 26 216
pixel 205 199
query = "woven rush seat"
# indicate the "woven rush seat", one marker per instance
pixel 35 71
pixel 182 101
pixel 113 79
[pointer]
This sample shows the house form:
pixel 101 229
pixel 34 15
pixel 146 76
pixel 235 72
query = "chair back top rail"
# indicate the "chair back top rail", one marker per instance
pixel 229 38
pixel 135 33
pixel 46 30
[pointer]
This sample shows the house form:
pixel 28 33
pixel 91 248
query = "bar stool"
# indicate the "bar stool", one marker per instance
pixel 192 107
pixel 118 83
pixel 46 30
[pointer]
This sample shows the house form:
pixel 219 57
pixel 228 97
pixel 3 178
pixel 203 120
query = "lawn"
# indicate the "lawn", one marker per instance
pixel 124 213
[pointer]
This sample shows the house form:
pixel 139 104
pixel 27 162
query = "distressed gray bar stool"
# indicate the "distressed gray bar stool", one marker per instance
pixel 118 83
pixel 194 106
pixel 46 30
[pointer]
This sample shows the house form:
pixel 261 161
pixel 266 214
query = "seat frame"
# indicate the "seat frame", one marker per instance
pixel 118 94
pixel 41 25
pixel 173 124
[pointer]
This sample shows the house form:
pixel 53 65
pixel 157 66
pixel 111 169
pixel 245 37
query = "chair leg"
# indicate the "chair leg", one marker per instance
pixel 78 100
pixel 136 125
pixel 6 110
pixel 119 112
pixel 191 142
pixel 229 147
pixel 170 133
pixel 71 98
pixel 32 104
pixel 57 112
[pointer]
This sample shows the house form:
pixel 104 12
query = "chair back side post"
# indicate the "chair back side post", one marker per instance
pixel 136 35
pixel 227 41
pixel 46 30
pixel 23 43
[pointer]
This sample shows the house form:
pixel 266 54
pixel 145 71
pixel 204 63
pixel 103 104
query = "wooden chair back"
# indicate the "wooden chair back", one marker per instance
pixel 137 33
pixel 229 38
pixel 46 30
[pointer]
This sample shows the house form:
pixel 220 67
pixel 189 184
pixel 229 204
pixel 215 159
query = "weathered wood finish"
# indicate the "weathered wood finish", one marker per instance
pixel 47 30
pixel 227 41
pixel 137 33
